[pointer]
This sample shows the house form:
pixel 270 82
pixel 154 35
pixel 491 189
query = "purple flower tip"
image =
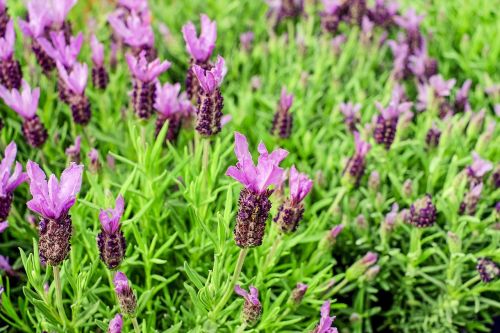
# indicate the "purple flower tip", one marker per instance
pixel 212 79
pixel 200 48
pixel 7 41
pixel 362 147
pixel 252 296
pixel 167 99
pixel 143 70
pixel 369 259
pixel 336 230
pixel 24 102
pixel 326 322
pixel 74 150
pixel 53 199
pixel 58 50
pixel 116 324
pixel 479 167
pixel 110 218
pixel 121 283
pixel 10 178
pixel 300 185
pixel 441 87
pixel 3 225
pixel 256 178
pixel 286 100
pixel 76 80
pixel 97 51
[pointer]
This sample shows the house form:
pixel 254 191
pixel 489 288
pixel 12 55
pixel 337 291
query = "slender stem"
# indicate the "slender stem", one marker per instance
pixel 236 275
pixel 242 328
pixel 337 200
pixel 137 329
pixel 338 287
pixel 59 302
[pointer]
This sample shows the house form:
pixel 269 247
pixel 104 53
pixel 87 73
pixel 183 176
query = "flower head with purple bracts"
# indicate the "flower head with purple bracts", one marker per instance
pixel 25 104
pixel 116 324
pixel 401 53
pixel 209 100
pixel 110 240
pixel 478 169
pixel 441 87
pixel 59 50
pixel 246 40
pixel 351 114
pixel 124 293
pixel 97 51
pixel 10 178
pixel 462 98
pixel 138 6
pixel 360 267
pixel 200 48
pixel 76 78
pixel 252 308
pixel 281 9
pixel 7 42
pixel 411 23
pixel 282 122
pixel 39 19
pixel 171 107
pixel 355 167
pixel 100 77
pixel 298 293
pixel 391 217
pixel 469 204
pixel 423 212
pixel 433 136
pixel 291 211
pixel 135 30
pixel 383 14
pixel 387 121
pixel 421 65
pixel 52 201
pixel 488 269
pixel 254 203
pixel 73 151
pixel 326 322
pixel 58 10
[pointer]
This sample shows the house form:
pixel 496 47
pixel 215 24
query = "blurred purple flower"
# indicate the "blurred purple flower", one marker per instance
pixel 10 178
pixel 246 40
pixel 110 240
pixel 3 225
pixel 351 114
pixel 283 120
pixel 326 322
pixel 59 50
pixel 441 87
pixel 252 308
pixel 135 30
pixel 125 294
pixel 478 168
pixel 200 48
pixel 116 324
pixel 462 98
pixel 73 151
pixel 211 79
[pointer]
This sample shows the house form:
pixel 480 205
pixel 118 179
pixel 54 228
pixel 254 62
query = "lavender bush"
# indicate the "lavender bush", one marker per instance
pixel 249 166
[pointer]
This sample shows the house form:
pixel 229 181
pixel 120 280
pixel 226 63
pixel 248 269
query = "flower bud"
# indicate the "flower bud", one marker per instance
pixel 125 294
pixel 361 266
pixel 298 293
pixel 488 270
pixel 374 181
pixel 252 308
pixel 423 212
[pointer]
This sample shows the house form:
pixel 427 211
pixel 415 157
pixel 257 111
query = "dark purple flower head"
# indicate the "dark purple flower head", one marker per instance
pixel 383 14
pixel 39 19
pixel 116 324
pixel 462 98
pixel 135 29
pixel 423 212
pixel 59 50
pixel 488 269
pixel 10 177
pixel 252 308
pixel 478 168
pixel 76 79
pixel 211 79
pixel 124 293
pixel 24 102
pixel 351 114
pixel 7 42
pixel 433 136
pixel 326 322
pixel 53 199
pixel 201 47
pixel 256 178
pixel 441 87
pixel 110 218
pixel 469 204
pixel 143 70
pixel 97 51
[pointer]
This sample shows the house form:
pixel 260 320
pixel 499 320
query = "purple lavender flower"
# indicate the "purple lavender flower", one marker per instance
pixel 387 122
pixel 3 225
pixel 254 203
pixel 39 22
pixel 10 69
pixel 355 167
pixel 488 269
pixel 76 82
pixel 138 6
pixel 252 309
pixel 281 9
pixel 200 48
pixel 433 136
pixel 326 322
pixel 383 14
pixel 372 272
pixel 94 164
pixel 351 115
pixel 25 104
pixel 145 75
pixel 374 181
pixel 4 20
pixel 125 294
pixel 401 54
pixel 421 65
pixel 246 40
pixel 298 293
pixel 423 212
pixel 283 120
pixel 411 23
pixel 135 31
pixel 52 200
pixel 5 266
pixel 116 324
pixel 73 151
pixel 391 218
pixel 100 77
pixel 462 98
pixel 334 12
pixel 57 11
pixel 478 169
pixel 469 204
pixel 210 100
pixel 110 240
pixel 331 236
pixel 441 87
pixel 169 107
pixel 10 179
pixel 291 211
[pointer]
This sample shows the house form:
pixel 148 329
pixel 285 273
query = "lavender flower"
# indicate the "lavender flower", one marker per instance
pixel 391 218
pixel 138 6
pixel 333 13
pixel 5 266
pixel 200 48
pixel 57 11
pixel 169 106
pixel 210 100
pixel 52 200
pixel 10 69
pixel 291 211
pixel 421 65
pixel 462 99
pixel 387 122
pixel 110 240
pixel 441 87
pixel 355 167
pixel 411 23
pixel 283 120
pixel 383 14
pixel 94 164
pixel 372 272
pixel 326 322
pixel 351 115
pixel 495 177
pixel 469 204
pixel 298 293
pixel 478 169
pixel 331 236
pixel 254 203
pixel 10 179
pixel 25 104
pixel 100 77
pixel 76 81
pixel 145 75
pixel 134 30
pixel 281 9
pixel 401 54
pixel 246 40
pixel 116 324
pixel 3 225
pixel 423 212
pixel 252 309
pixel 125 294
pixel 374 181
pixel 4 20
pixel 488 269
pixel 433 136
pixel 73 151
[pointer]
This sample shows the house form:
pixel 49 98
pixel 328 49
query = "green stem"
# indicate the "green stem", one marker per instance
pixel 337 288
pixel 59 302
pixel 337 200
pixel 137 329
pixel 242 328
pixel 236 275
